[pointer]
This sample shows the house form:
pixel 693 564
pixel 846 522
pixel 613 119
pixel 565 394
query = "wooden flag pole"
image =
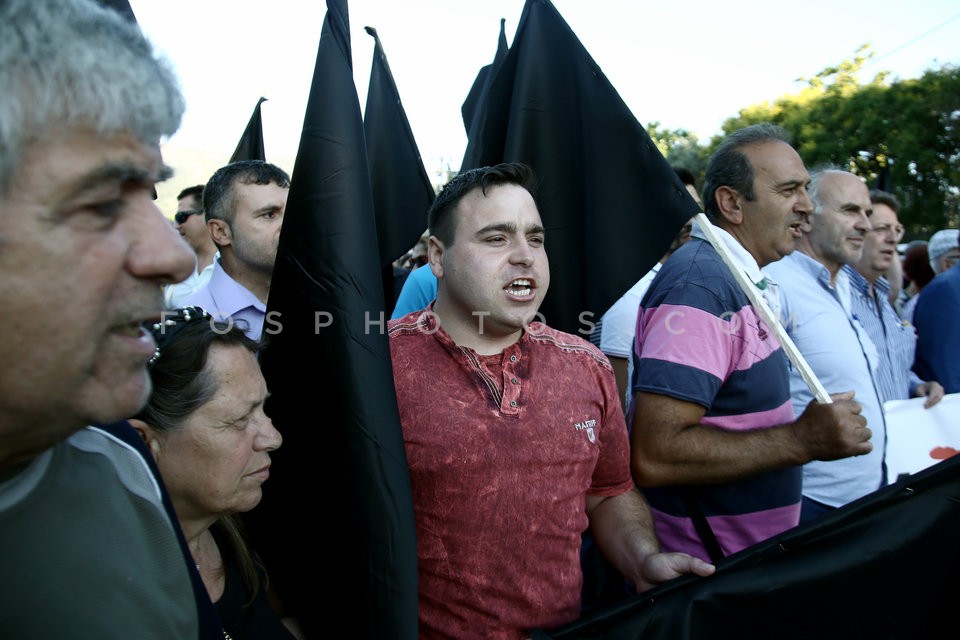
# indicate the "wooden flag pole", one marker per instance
pixel 819 392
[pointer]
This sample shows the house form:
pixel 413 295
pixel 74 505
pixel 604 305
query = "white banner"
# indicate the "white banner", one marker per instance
pixel 918 438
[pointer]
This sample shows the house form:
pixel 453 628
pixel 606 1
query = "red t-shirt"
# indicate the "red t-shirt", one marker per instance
pixel 502 450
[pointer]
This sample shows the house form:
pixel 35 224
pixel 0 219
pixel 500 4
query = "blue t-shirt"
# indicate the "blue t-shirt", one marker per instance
pixel 938 330
pixel 419 290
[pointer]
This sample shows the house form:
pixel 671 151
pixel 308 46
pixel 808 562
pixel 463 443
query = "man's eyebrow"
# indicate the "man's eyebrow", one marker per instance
pixel 509 227
pixel 124 173
pixel 855 208
pixel 504 227
pixel 789 184
pixel 269 208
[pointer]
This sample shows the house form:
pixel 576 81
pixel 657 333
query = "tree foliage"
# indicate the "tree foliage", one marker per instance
pixel 910 127
pixel 680 147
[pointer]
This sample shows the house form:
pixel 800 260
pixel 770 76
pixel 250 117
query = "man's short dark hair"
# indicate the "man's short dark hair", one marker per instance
pixel 218 194
pixel 196 191
pixel 885 197
pixel 730 167
pixel 439 218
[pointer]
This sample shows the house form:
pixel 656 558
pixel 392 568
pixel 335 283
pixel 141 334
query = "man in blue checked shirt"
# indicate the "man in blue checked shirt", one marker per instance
pixel 894 339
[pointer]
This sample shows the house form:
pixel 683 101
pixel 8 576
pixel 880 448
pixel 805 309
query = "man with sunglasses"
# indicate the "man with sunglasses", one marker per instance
pixel 191 225
pixel 869 296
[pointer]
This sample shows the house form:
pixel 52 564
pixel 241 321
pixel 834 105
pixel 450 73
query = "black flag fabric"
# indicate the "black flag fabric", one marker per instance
pixel 250 146
pixel 884 566
pixel 884 181
pixel 126 12
pixel 402 192
pixel 335 527
pixel 481 85
pixel 610 202
pixel 120 6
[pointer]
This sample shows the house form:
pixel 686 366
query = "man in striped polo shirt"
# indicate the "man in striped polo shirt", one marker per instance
pixel 714 442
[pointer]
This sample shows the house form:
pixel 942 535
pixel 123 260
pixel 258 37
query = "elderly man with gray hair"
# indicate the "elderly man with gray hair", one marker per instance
pixel 815 303
pixel 943 250
pixel 88 546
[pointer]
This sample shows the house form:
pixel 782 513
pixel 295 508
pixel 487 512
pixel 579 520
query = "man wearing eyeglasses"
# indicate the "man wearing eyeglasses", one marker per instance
pixel 869 296
pixel 191 225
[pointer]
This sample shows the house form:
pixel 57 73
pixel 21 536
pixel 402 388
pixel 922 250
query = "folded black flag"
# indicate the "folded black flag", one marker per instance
pixel 884 182
pixel 884 566
pixel 250 146
pixel 610 202
pixel 126 12
pixel 402 192
pixel 335 527
pixel 120 6
pixel 481 85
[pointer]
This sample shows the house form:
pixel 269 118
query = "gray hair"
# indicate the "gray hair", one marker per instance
pixel 729 167
pixel 816 181
pixel 71 64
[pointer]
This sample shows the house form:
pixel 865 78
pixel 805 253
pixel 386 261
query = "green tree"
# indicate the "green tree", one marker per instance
pixel 681 148
pixel 910 127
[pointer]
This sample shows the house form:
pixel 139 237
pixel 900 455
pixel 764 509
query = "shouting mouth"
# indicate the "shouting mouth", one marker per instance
pixel 519 289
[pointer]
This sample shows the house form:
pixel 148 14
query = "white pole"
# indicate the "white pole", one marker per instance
pixel 819 392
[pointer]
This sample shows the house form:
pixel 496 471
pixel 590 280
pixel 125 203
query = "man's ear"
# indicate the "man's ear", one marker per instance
pixel 220 232
pixel 149 437
pixel 435 249
pixel 729 201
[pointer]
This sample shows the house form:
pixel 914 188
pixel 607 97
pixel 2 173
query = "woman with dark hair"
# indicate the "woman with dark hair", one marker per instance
pixel 205 426
pixel 917 273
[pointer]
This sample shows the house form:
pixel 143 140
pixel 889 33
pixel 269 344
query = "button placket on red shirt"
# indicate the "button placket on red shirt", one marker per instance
pixel 512 384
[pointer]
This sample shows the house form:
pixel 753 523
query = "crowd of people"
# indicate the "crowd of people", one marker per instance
pixel 133 434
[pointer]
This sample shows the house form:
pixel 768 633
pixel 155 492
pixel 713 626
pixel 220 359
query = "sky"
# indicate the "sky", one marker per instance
pixel 687 65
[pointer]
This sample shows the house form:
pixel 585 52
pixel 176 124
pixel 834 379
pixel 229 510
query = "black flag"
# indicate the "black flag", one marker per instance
pixel 402 192
pixel 120 6
pixel 610 202
pixel 884 566
pixel 884 181
pixel 250 146
pixel 335 528
pixel 126 12
pixel 481 85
